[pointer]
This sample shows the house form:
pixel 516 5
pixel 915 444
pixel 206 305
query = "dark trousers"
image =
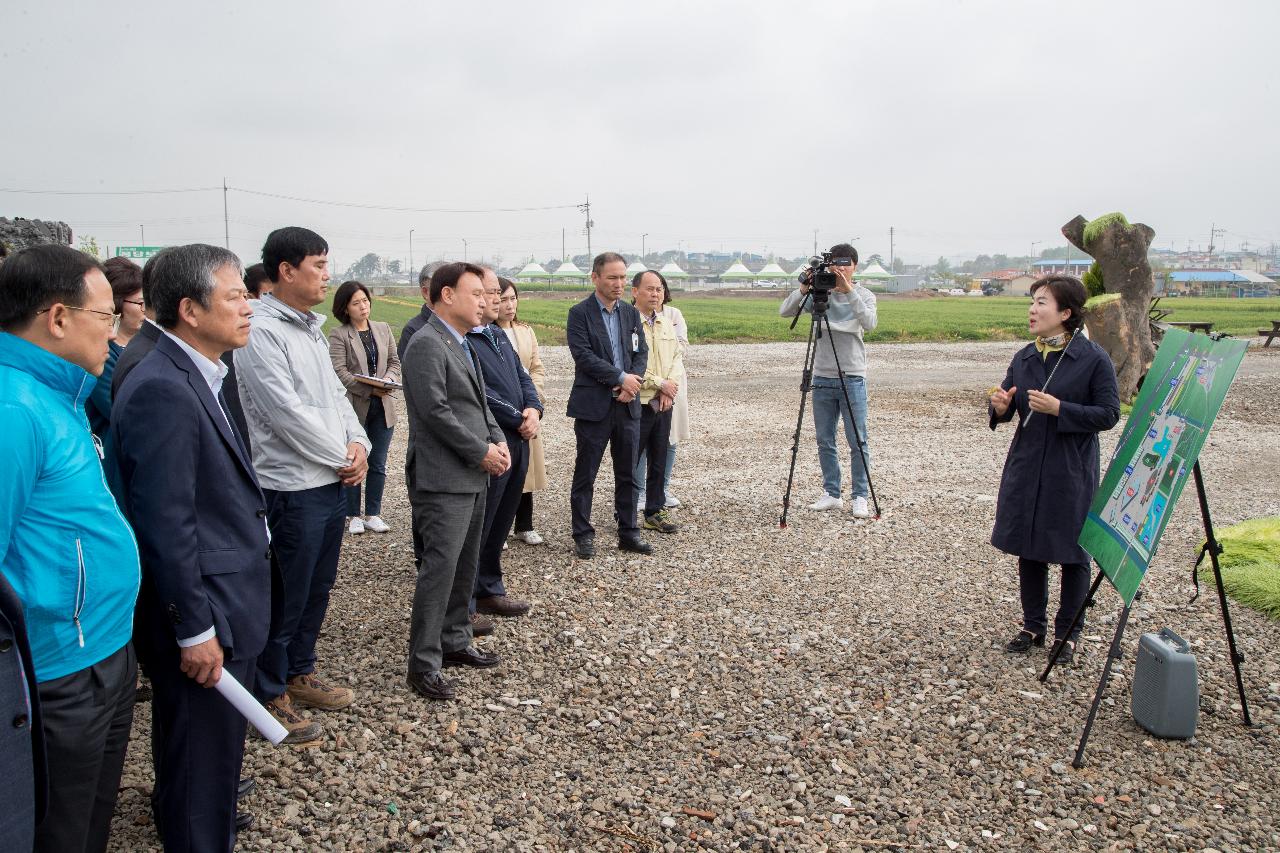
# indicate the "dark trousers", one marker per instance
pixel 306 535
pixel 524 513
pixel 655 436
pixel 501 502
pixel 621 434
pixel 1033 583
pixel 87 716
pixel 447 530
pixel 375 426
pixel 197 746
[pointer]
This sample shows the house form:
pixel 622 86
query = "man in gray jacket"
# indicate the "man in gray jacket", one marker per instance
pixel 455 445
pixel 851 310
pixel 307 444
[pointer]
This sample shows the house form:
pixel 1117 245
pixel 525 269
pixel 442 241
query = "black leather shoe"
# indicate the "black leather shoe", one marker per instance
pixel 501 605
pixel 1024 641
pixel 633 543
pixel 247 787
pixel 471 656
pixel 432 685
pixel 584 547
pixel 1068 653
pixel 244 820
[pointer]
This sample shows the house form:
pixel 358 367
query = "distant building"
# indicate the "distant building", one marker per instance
pixel 1060 266
pixel 1237 283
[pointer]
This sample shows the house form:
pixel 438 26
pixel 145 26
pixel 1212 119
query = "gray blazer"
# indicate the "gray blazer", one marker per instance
pixel 450 425
pixel 348 357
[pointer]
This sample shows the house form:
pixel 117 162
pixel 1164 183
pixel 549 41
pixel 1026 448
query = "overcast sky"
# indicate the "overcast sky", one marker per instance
pixel 969 127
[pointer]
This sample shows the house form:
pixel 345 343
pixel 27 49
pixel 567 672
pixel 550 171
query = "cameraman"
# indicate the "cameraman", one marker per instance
pixel 851 310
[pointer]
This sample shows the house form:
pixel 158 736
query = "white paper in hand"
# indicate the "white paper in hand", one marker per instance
pixel 259 717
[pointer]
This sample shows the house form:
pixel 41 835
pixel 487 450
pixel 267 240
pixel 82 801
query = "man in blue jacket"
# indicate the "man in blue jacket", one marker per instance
pixel 64 545
pixel 609 353
pixel 189 487
pixel 513 400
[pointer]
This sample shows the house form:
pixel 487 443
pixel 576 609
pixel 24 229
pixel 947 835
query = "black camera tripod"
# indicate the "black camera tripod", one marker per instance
pixel 820 324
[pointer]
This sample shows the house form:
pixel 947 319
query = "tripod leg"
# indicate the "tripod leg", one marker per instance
pixel 1088 599
pixel 1112 655
pixel 805 378
pixel 848 410
pixel 1214 549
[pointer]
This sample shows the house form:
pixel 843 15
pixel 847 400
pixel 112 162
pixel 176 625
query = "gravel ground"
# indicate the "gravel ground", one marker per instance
pixel 838 685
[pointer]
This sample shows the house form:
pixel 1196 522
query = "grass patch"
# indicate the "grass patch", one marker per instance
pixel 737 319
pixel 1250 564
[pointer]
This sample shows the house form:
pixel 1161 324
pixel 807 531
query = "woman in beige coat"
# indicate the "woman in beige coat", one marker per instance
pixel 362 347
pixel 525 343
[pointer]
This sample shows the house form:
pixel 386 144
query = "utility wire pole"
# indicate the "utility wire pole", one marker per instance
pixel 815 242
pixel 586 209
pixel 890 248
pixel 226 222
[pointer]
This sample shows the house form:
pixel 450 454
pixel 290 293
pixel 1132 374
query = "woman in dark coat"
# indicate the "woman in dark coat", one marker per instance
pixel 1052 470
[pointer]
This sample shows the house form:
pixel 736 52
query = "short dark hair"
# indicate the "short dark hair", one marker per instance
pixel 1069 293
pixel 125 277
pixel 845 250
pixel 605 258
pixel 346 292
pixel 40 277
pixel 147 269
pixel 449 275
pixel 507 284
pixel 186 272
pixel 254 276
pixel 290 246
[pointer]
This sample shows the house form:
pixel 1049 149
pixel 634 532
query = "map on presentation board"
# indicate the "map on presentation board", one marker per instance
pixel 1180 397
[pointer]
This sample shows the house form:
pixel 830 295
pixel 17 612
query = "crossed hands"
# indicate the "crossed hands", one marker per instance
pixel 529 426
pixel 357 465
pixel 497 459
pixel 629 388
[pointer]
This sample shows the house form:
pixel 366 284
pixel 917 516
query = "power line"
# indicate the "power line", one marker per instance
pixel 402 209
pixel 110 192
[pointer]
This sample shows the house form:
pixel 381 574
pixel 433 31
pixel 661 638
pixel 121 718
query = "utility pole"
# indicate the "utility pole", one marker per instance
pixel 1214 233
pixel 411 256
pixel 890 248
pixel 1034 243
pixel 226 222
pixel 642 246
pixel 562 244
pixel 464 249
pixel 142 229
pixel 815 241
pixel 586 210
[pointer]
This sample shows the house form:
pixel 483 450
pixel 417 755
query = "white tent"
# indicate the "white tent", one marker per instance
pixel 771 270
pixel 737 272
pixel 670 271
pixel 531 271
pixel 636 268
pixel 874 272
pixel 568 269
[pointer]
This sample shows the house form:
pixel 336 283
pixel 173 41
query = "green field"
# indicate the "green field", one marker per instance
pixel 728 319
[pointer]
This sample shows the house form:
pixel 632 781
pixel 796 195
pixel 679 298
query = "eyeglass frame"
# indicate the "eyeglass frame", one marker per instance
pixel 115 318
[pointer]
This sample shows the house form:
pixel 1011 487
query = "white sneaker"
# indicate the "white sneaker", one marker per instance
pixel 671 502
pixel 827 502
pixel 859 508
pixel 376 524
pixel 356 526
pixel 530 537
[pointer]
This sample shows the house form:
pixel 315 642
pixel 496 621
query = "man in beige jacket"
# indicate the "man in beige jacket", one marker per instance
pixel 657 395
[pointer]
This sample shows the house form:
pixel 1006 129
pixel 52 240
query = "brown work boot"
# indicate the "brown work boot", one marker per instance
pixel 309 691
pixel 302 731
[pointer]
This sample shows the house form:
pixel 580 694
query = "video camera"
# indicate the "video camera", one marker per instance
pixel 821 279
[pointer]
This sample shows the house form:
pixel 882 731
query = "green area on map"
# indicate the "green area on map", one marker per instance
pixel 1180 397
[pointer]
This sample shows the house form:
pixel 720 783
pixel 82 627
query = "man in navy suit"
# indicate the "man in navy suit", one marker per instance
pixel 609 353
pixel 190 491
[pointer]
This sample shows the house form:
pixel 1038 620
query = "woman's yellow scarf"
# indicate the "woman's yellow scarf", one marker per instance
pixel 1057 343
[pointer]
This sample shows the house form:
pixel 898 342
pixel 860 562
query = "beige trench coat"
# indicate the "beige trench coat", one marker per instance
pixel 680 431
pixel 348 357
pixel 527 348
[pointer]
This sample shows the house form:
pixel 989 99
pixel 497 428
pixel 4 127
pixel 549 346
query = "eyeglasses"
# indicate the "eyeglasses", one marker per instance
pixel 137 302
pixel 115 318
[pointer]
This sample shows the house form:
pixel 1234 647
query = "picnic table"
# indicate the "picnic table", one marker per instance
pixel 1194 325
pixel 1271 334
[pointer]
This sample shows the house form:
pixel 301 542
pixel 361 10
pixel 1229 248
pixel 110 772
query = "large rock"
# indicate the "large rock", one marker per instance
pixel 17 234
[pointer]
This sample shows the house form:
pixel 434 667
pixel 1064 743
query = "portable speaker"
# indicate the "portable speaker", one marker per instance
pixel 1166 692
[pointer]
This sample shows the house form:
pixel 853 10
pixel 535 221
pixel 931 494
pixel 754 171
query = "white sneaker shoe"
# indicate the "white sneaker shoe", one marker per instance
pixel 376 524
pixel 827 502
pixel 859 508
pixel 530 537
pixel 356 526
pixel 671 502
